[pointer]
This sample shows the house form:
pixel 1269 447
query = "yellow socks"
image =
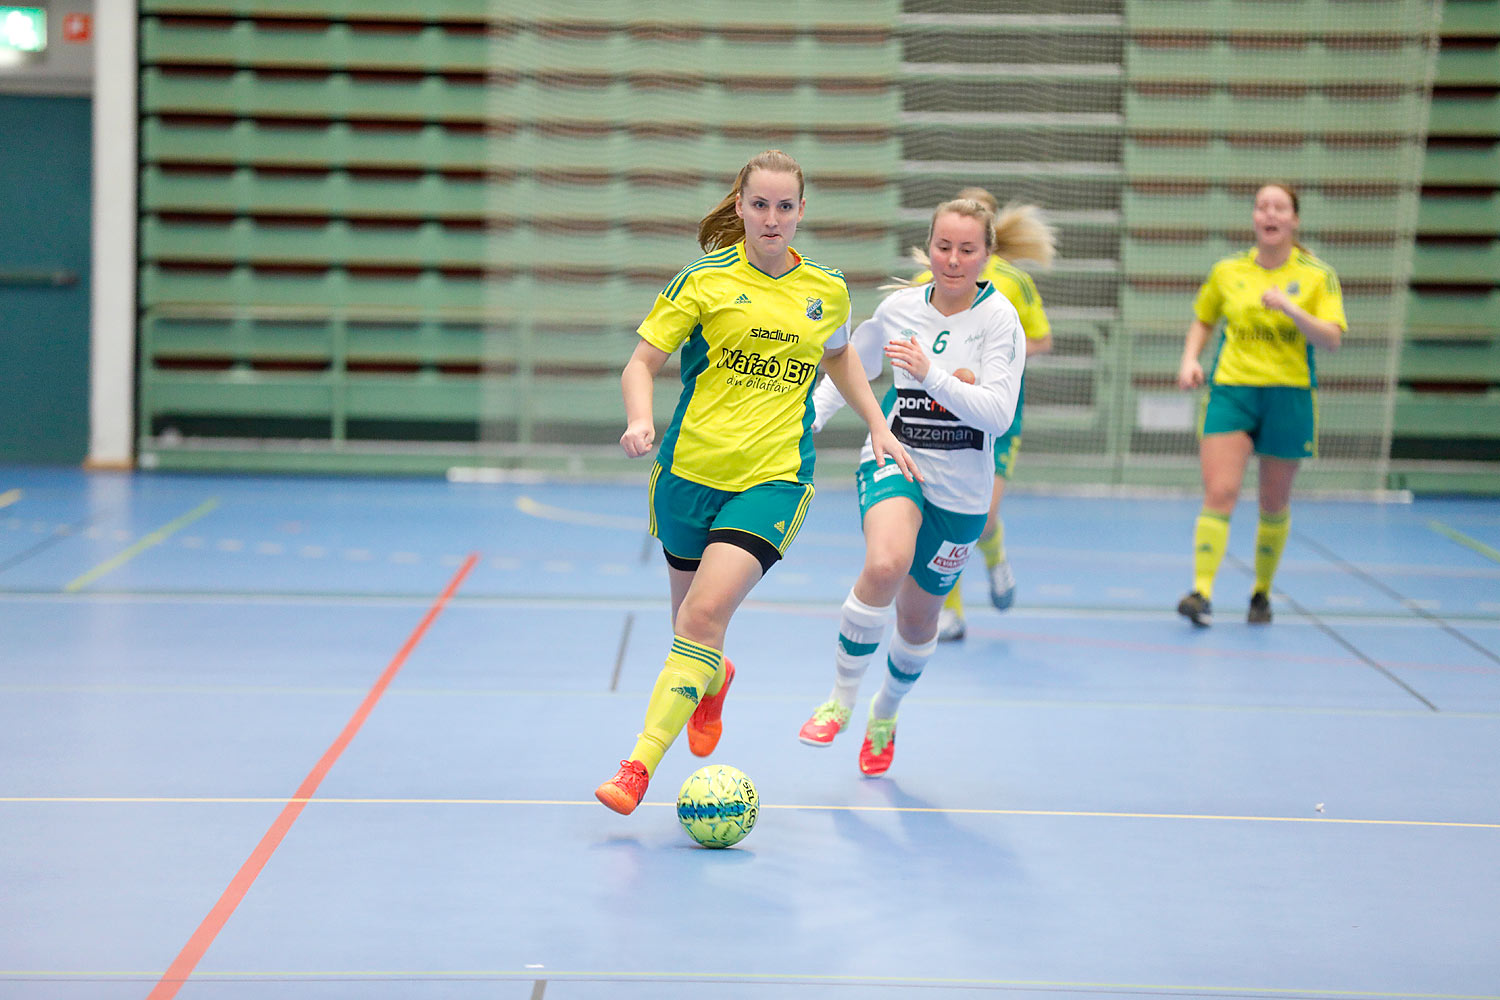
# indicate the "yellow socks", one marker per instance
pixel 1210 540
pixel 720 676
pixel 993 548
pixel 690 671
pixel 1270 539
pixel 954 602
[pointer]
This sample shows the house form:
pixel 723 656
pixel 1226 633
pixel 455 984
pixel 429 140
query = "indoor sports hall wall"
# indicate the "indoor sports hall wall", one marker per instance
pixel 381 238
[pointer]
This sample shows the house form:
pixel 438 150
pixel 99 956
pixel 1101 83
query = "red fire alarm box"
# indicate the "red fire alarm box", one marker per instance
pixel 77 27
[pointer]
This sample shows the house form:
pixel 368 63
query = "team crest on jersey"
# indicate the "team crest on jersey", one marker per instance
pixel 1294 288
pixel 814 308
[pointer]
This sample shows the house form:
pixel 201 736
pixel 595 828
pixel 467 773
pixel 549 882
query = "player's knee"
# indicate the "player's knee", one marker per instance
pixel 702 621
pixel 1220 496
pixel 885 568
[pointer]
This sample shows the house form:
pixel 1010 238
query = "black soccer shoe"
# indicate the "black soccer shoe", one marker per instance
pixel 1196 609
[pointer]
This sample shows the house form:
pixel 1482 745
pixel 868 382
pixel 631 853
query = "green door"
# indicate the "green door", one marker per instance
pixel 45 156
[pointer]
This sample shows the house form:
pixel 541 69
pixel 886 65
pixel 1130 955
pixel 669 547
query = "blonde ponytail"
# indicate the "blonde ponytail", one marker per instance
pixel 723 226
pixel 1022 232
pixel 1018 232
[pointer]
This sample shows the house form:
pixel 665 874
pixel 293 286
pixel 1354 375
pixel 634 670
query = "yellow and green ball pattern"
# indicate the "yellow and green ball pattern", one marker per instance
pixel 718 805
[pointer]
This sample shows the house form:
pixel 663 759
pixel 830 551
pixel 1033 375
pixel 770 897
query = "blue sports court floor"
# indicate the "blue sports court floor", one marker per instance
pixel 272 737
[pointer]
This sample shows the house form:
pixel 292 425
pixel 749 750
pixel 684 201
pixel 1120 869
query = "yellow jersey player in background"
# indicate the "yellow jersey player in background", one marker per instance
pixel 1021 233
pixel 1278 302
pixel 734 472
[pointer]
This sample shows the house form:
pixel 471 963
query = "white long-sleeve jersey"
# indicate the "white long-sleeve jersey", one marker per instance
pixel 947 425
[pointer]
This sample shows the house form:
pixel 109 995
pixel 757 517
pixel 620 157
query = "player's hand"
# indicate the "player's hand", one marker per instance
pixel 906 354
pixel 638 438
pixel 1190 375
pixel 1275 298
pixel 885 446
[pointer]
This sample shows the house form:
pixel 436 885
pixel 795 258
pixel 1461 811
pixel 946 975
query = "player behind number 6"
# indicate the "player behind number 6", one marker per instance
pixel 958 352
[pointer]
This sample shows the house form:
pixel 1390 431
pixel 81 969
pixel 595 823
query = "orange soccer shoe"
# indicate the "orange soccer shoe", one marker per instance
pixel 624 791
pixel 705 727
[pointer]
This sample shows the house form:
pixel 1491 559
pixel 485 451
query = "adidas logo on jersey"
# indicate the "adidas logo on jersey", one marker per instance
pixel 780 526
pixel 742 300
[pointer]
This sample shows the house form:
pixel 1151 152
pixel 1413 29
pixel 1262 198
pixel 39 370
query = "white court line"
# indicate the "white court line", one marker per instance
pixel 535 972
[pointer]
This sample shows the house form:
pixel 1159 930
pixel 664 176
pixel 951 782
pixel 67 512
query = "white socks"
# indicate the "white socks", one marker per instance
pixel 860 630
pixel 903 667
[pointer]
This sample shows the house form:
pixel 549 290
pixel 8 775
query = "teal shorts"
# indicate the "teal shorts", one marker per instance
pixel 762 520
pixel 1282 420
pixel 1008 445
pixel 945 539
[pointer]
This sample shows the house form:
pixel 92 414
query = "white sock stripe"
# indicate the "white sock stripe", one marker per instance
pixel 860 623
pixel 864 614
pixel 911 658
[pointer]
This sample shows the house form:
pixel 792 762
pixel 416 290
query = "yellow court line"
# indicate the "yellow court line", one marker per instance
pixel 909 810
pixel 9 497
pixel 155 538
pixel 813 978
pixel 1469 543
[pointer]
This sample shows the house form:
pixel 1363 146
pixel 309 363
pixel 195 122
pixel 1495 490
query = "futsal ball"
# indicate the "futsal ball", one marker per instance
pixel 718 805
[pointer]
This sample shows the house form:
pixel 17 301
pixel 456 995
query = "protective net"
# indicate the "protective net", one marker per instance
pixel 1141 127
pixel 615 129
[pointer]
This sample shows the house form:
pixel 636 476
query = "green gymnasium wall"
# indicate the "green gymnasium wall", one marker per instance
pixel 379 237
pixel 1448 403
pixel 382 238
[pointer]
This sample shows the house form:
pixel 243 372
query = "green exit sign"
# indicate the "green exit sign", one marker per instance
pixel 23 29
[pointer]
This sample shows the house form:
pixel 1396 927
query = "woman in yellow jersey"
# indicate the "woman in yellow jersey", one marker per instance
pixel 1021 233
pixel 1279 302
pixel 734 470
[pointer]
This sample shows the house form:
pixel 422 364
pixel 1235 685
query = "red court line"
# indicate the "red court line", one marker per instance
pixel 187 960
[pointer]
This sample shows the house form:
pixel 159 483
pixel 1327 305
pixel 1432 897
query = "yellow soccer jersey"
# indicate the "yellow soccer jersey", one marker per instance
pixel 1263 346
pixel 750 345
pixel 1016 285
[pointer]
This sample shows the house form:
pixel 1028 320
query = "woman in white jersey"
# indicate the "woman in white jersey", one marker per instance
pixel 752 320
pixel 958 351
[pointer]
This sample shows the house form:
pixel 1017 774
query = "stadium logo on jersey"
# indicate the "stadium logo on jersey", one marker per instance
pixel 743 300
pixel 950 558
pixel 814 308
pixel 782 335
